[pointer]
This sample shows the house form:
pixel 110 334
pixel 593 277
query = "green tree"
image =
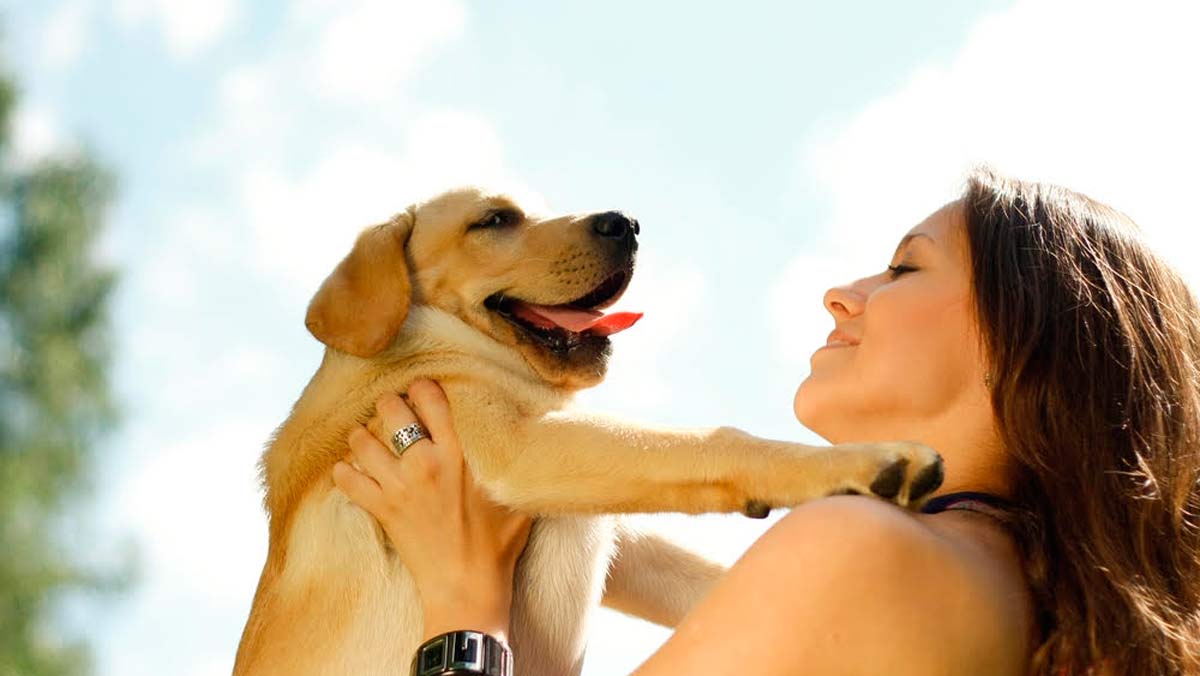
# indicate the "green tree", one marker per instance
pixel 55 401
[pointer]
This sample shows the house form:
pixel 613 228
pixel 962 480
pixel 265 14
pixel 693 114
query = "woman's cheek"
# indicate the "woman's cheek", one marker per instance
pixel 928 365
pixel 899 365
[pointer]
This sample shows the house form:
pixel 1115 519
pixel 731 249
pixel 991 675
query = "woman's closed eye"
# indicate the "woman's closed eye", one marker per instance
pixel 895 271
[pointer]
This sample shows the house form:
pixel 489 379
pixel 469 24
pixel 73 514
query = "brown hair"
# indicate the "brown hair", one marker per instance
pixel 1094 349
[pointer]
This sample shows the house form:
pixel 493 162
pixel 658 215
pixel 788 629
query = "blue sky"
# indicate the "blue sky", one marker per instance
pixel 769 150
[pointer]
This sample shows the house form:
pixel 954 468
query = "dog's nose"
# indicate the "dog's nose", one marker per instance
pixel 614 224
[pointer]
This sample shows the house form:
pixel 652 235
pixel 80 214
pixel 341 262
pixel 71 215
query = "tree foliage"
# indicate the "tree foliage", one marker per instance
pixel 55 400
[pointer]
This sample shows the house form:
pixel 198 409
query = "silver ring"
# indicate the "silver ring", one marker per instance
pixel 407 436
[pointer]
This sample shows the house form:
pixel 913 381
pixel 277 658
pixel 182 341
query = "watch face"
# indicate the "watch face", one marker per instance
pixel 433 657
pixel 465 653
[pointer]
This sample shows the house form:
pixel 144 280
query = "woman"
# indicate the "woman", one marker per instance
pixel 1026 333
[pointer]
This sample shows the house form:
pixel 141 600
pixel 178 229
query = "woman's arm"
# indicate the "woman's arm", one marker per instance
pixel 846 585
pixel 460 547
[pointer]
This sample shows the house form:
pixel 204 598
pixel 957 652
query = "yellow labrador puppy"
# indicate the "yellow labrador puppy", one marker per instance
pixel 505 309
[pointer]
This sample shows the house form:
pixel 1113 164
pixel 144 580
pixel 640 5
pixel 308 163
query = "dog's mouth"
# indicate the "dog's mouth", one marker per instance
pixel 568 325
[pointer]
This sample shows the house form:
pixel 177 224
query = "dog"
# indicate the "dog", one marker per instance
pixel 504 308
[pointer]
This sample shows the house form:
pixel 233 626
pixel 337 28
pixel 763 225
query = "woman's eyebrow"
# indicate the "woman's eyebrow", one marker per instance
pixel 908 238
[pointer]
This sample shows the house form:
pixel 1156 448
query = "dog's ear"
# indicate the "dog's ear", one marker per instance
pixel 361 306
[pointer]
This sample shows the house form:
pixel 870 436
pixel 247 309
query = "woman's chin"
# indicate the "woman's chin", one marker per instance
pixel 808 413
pixel 833 424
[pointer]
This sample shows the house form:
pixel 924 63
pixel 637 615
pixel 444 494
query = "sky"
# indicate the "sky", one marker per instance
pixel 769 150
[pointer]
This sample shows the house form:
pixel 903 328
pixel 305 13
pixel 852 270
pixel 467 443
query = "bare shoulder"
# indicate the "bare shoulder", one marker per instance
pixel 852 585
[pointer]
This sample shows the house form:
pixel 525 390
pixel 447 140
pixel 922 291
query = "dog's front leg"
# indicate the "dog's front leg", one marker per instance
pixel 655 579
pixel 566 462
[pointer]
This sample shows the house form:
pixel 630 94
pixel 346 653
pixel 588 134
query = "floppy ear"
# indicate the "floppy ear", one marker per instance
pixel 361 306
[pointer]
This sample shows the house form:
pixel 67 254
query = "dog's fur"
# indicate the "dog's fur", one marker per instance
pixel 417 297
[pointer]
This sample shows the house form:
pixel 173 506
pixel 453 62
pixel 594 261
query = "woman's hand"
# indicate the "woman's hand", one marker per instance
pixel 460 547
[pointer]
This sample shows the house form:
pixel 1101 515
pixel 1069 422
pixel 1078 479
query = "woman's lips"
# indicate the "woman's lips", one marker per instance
pixel 839 338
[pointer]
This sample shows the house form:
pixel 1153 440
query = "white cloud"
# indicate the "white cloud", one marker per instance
pixel 196 508
pixel 244 96
pixel 36 133
pixel 214 666
pixel 188 26
pixel 194 505
pixel 255 114
pixel 176 270
pixel 367 50
pixel 337 66
pixel 299 107
pixel 668 292
pixel 1091 95
pixel 65 33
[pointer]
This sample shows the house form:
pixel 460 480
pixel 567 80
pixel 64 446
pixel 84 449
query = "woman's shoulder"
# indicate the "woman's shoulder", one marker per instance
pixel 958 572
pixel 855 585
pixel 963 542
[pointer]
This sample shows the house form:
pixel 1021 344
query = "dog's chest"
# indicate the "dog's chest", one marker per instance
pixel 559 580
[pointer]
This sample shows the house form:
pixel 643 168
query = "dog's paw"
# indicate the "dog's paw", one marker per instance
pixel 902 472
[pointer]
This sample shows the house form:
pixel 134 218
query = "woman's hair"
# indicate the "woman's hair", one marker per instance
pixel 1094 350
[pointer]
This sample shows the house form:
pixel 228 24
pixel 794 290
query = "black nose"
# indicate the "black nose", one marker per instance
pixel 614 224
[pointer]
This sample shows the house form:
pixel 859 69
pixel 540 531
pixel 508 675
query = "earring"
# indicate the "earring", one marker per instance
pixel 987 380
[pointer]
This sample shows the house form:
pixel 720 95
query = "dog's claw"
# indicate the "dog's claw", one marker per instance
pixel 756 509
pixel 887 483
pixel 927 481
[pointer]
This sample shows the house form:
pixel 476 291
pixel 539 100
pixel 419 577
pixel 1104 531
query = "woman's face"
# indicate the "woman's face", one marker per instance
pixel 904 361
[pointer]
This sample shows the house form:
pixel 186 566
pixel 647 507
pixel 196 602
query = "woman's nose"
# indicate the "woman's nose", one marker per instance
pixel 844 302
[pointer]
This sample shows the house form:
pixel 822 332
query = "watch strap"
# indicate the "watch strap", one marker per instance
pixel 462 652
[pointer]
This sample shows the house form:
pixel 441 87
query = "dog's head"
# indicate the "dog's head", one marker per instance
pixel 534 283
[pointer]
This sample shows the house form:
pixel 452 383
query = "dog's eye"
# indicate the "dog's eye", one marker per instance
pixel 501 218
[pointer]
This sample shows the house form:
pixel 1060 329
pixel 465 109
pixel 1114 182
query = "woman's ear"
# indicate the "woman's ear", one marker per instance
pixel 361 306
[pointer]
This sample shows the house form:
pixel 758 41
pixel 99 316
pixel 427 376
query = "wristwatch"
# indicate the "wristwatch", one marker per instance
pixel 462 653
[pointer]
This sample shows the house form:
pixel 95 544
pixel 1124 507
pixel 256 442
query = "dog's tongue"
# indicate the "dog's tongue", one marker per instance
pixel 575 320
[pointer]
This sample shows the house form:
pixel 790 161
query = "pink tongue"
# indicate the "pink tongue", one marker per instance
pixel 574 320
